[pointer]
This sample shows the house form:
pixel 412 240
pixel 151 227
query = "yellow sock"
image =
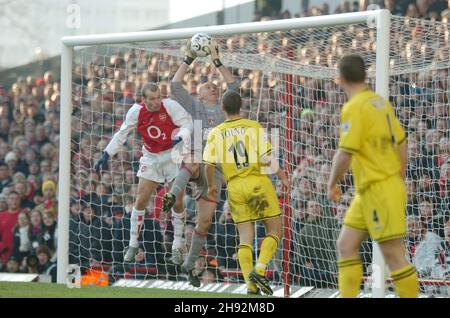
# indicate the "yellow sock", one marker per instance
pixel 406 283
pixel 268 249
pixel 245 257
pixel 350 276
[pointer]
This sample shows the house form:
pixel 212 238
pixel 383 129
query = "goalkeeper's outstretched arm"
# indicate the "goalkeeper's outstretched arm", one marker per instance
pixel 228 77
pixel 215 58
pixel 177 90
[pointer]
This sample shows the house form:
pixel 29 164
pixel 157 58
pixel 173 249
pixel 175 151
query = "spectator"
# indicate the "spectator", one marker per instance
pixel 41 136
pixel 413 235
pixel 87 237
pixel 46 170
pixel 227 239
pixel 5 176
pixel 412 11
pixel 206 268
pixel 37 228
pixel 3 204
pixel 412 202
pixel 49 232
pixel 74 223
pixel 120 234
pixel 426 186
pixel 303 192
pixel 22 244
pixel 151 241
pixel 189 204
pixel 317 249
pixel 30 156
pixel 444 257
pixel 13 265
pixel 446 12
pixel 49 198
pixel 422 7
pixel 31 263
pixel 432 220
pixel 425 246
pixel 11 161
pixel 434 9
pixel 4 129
pixel 285 15
pixel 444 149
pixel 157 204
pixel 431 151
pixel 8 221
pixel 46 267
pixel 34 172
pixel 23 190
pixel 396 7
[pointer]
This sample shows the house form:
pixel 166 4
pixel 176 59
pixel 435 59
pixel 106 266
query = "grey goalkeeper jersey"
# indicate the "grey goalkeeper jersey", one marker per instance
pixel 205 117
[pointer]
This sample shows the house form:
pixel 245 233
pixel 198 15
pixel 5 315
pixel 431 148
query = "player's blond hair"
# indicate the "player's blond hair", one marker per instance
pixel 201 86
pixel 152 87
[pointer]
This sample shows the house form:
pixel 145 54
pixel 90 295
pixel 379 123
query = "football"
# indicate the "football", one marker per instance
pixel 200 43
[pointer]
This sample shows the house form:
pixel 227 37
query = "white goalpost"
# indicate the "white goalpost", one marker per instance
pixel 280 89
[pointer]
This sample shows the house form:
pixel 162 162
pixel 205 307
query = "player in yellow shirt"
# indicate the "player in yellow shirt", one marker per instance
pixel 243 152
pixel 374 144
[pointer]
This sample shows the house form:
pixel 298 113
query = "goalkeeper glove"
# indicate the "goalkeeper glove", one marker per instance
pixel 214 49
pixel 189 55
pixel 176 141
pixel 102 161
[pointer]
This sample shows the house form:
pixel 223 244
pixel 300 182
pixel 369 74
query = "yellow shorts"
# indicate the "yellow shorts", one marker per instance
pixel 252 198
pixel 380 210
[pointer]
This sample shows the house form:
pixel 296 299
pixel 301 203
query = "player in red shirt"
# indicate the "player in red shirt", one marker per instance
pixel 8 220
pixel 165 128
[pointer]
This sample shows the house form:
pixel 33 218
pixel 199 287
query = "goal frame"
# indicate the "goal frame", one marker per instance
pixel 379 19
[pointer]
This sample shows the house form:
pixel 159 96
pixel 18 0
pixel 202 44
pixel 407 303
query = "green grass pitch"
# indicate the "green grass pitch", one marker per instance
pixel 46 290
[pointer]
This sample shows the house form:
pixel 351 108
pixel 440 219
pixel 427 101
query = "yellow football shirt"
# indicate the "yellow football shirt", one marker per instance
pixel 237 145
pixel 371 132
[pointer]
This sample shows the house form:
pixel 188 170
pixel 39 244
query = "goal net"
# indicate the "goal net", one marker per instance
pixel 287 82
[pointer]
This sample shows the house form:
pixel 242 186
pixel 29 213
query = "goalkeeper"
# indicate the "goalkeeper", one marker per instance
pixel 205 111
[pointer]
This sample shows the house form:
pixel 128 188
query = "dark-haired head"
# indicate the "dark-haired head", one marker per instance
pixel 231 103
pixel 352 69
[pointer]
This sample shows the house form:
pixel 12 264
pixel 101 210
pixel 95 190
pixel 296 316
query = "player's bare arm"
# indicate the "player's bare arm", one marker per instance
pixel 403 154
pixel 341 164
pixel 284 180
pixel 267 159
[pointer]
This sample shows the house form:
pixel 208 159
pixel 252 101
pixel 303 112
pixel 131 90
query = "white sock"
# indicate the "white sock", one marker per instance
pixel 261 266
pixel 178 228
pixel 137 218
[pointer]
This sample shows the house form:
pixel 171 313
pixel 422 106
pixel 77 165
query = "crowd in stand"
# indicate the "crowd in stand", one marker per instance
pixel 435 10
pixel 105 86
